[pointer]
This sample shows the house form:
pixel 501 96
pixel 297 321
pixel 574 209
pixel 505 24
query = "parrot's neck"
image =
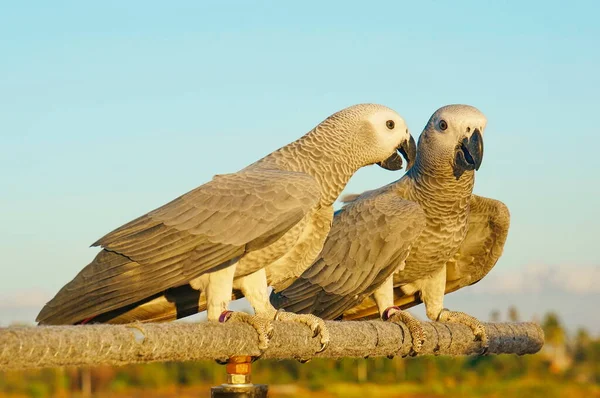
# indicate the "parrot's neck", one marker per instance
pixel 319 158
pixel 444 189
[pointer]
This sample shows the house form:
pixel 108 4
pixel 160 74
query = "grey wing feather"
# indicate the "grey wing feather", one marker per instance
pixel 200 231
pixel 489 222
pixel 370 238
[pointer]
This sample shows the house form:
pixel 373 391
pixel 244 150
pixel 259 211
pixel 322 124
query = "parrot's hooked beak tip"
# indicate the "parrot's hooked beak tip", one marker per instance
pixel 408 150
pixel 469 154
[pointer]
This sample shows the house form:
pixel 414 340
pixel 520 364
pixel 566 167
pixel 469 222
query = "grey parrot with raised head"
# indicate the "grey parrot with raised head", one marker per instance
pixel 413 240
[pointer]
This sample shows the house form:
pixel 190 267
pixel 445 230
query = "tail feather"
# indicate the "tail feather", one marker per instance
pixel 173 304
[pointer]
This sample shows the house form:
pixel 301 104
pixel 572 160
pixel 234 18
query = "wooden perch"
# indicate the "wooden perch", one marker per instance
pixel 53 346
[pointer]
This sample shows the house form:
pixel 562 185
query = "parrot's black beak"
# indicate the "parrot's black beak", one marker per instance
pixel 469 154
pixel 408 149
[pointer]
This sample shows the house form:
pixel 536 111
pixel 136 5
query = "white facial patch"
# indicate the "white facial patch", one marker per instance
pixel 389 138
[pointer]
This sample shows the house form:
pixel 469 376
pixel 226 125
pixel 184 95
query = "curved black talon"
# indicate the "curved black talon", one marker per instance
pixel 262 326
pixel 413 326
pixel 323 345
pixel 316 324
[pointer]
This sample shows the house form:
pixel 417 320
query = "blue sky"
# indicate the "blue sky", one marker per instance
pixel 109 110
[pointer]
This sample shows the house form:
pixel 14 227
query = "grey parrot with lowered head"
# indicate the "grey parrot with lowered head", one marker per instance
pixel 156 267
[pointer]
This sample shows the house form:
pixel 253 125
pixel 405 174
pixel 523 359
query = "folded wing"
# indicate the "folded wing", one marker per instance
pixel 370 239
pixel 206 229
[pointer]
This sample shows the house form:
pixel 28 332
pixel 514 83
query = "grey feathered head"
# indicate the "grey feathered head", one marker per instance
pixel 453 140
pixel 367 134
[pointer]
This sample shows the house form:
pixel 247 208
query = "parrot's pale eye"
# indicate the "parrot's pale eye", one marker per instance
pixel 443 125
pixel 390 124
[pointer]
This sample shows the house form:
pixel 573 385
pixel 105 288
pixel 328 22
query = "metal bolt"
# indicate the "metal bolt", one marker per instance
pixel 239 383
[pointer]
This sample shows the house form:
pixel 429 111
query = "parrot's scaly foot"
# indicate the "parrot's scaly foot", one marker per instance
pixel 316 325
pixel 465 319
pixel 417 334
pixel 263 326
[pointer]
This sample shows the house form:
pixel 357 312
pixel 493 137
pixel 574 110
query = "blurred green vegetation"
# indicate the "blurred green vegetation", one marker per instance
pixel 567 366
